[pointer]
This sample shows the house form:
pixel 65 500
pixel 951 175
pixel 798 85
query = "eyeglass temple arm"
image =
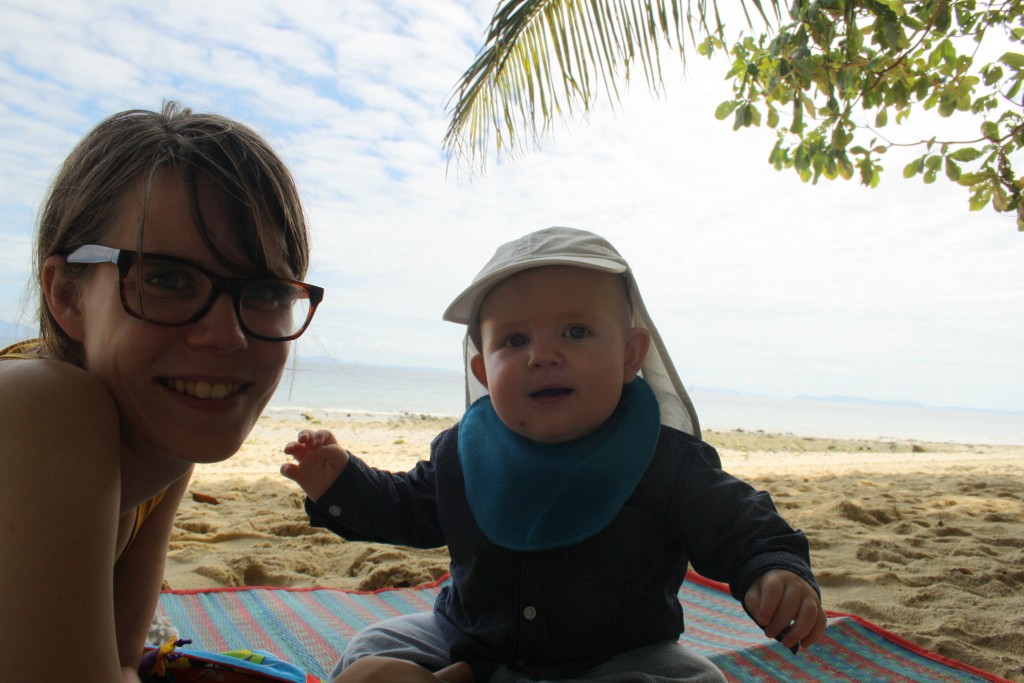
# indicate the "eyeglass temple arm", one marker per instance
pixel 93 253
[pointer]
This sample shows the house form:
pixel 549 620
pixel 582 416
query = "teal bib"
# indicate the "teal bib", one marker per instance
pixel 527 495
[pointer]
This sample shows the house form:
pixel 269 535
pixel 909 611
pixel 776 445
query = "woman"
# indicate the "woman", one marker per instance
pixel 168 260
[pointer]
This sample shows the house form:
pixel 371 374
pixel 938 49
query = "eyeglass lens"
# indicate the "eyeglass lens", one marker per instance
pixel 170 292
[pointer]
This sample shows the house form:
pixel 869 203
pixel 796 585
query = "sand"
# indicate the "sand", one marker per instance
pixel 923 539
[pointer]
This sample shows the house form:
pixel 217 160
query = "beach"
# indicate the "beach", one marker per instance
pixel 924 539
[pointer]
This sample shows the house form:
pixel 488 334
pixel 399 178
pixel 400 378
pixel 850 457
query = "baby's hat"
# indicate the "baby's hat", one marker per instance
pixel 559 246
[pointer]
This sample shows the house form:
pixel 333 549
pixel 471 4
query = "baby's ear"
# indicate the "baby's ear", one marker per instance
pixel 61 294
pixel 638 340
pixel 476 364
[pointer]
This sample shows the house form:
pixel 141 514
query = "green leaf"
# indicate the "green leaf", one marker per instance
pixel 999 200
pixel 921 88
pixel 948 50
pixel 724 109
pixel 947 105
pixel 913 24
pixel 990 130
pixel 845 167
pixel 841 138
pixel 868 173
pixel 965 154
pixel 912 169
pixel 945 17
pixel 993 74
pixel 894 36
pixel 952 170
pixel 881 118
pixel 900 95
pixel 1013 59
pixel 739 118
pixel 895 5
pixel 971 179
pixel 778 158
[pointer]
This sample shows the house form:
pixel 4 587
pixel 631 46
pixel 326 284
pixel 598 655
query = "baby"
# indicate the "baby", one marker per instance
pixel 572 494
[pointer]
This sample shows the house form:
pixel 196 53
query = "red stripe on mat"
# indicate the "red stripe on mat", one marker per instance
pixel 875 628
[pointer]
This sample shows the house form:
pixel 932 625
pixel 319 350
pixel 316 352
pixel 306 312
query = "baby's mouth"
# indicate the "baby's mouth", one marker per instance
pixel 206 390
pixel 551 392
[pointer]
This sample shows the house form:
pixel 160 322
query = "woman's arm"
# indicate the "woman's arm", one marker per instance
pixel 59 509
pixel 140 573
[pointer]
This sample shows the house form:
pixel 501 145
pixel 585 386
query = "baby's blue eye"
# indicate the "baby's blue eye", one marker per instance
pixel 516 340
pixel 577 332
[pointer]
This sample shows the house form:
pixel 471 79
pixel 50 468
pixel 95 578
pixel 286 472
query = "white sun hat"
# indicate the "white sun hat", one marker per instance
pixel 571 247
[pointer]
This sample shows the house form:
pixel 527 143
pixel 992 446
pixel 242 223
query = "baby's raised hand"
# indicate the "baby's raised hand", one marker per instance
pixel 319 460
pixel 780 599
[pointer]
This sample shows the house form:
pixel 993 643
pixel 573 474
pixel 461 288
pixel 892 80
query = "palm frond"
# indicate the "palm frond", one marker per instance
pixel 544 60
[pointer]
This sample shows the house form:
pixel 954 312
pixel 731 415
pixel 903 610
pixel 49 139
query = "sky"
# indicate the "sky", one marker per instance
pixel 758 282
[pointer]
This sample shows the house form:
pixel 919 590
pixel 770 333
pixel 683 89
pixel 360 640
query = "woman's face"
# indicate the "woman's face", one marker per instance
pixel 191 393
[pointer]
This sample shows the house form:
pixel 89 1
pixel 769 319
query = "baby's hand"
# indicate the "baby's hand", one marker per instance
pixel 319 460
pixel 779 599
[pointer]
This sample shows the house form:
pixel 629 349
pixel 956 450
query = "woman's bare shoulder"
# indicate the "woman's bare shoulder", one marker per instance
pixel 47 388
pixel 47 404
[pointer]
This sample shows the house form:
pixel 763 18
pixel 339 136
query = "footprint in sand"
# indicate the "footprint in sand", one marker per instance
pixel 866 515
pixel 245 572
pixel 891 553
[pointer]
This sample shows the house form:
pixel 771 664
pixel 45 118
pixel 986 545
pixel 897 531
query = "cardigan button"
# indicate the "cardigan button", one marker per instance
pixel 334 510
pixel 530 613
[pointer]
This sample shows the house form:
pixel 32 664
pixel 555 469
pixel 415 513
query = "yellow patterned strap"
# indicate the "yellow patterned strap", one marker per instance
pixel 22 350
pixel 141 514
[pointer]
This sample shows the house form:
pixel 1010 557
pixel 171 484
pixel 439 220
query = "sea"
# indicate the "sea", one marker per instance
pixel 326 386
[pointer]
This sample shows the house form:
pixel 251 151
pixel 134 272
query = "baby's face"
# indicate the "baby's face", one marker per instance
pixel 557 349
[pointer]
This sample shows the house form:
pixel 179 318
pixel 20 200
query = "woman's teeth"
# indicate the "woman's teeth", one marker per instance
pixel 209 390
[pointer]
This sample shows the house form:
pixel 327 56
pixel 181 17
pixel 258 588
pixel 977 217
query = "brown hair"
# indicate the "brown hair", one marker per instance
pixel 128 149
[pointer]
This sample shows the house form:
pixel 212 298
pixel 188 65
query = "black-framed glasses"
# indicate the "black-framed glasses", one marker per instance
pixel 169 291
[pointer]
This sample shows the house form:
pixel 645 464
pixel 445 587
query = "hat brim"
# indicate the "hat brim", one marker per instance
pixel 464 308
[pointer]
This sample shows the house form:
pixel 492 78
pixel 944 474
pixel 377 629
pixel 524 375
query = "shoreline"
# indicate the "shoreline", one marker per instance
pixel 291 412
pixel 925 539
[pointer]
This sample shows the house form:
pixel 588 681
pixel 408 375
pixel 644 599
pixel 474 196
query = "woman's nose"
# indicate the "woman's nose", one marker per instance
pixel 219 328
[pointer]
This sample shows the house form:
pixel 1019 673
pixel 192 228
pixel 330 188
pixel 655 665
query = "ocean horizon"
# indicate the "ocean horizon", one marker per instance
pixel 324 385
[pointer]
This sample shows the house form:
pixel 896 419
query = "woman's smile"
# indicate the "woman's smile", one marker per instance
pixel 202 389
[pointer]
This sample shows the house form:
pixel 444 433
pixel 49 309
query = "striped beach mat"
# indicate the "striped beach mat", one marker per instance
pixel 310 627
